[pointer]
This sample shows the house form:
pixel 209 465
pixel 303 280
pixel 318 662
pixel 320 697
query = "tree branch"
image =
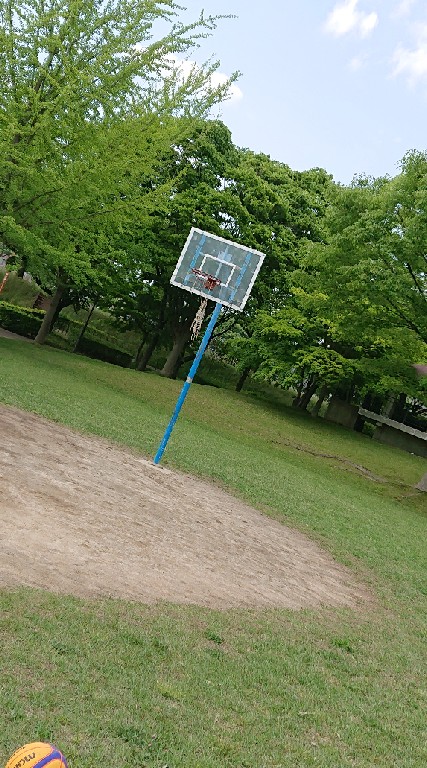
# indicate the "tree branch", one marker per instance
pixel 408 321
pixel 419 288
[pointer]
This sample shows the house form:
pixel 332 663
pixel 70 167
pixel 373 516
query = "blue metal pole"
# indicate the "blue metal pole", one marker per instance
pixel 188 382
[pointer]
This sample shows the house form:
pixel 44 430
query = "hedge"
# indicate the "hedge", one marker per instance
pixel 25 322
pixel 101 351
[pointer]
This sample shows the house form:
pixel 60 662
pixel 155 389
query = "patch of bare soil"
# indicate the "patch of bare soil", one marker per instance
pixel 81 516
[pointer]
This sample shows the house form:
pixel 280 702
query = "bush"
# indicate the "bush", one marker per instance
pixel 19 292
pixel 20 320
pixel 102 328
pixel 26 322
pixel 62 324
pixel 101 351
pixel 71 328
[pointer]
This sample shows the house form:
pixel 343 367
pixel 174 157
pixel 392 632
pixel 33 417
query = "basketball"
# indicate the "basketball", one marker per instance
pixel 36 755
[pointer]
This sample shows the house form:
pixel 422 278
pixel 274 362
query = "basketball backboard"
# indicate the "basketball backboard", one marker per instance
pixel 217 269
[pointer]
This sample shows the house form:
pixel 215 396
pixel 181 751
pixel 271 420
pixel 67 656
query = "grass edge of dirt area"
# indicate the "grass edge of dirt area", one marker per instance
pixel 190 688
pixel 199 448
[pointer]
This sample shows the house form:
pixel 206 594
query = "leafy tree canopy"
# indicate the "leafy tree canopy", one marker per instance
pixel 88 98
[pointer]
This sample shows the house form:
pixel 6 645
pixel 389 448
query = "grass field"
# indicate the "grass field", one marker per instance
pixel 130 685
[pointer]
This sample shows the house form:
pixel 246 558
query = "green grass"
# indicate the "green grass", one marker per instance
pixel 217 373
pixel 131 685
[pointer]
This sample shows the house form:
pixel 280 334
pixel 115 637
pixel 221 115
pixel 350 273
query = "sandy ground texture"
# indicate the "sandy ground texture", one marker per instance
pixel 81 516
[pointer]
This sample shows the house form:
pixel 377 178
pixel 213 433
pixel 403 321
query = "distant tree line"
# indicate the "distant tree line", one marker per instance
pixel 108 157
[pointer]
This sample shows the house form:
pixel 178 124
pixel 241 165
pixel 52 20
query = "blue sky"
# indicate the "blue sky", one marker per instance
pixel 339 85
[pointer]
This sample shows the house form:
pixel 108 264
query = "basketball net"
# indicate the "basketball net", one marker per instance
pixel 198 320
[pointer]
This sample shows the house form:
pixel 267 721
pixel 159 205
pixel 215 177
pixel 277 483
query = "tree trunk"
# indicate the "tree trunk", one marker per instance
pixel 139 350
pixel 181 339
pixel 398 412
pixel 82 332
pixel 305 393
pixel 422 485
pixel 64 302
pixel 323 393
pixel 388 407
pixel 143 361
pixel 50 314
pixel 23 268
pixel 300 387
pixel 243 376
pixel 306 397
pixel 360 420
pixel 345 393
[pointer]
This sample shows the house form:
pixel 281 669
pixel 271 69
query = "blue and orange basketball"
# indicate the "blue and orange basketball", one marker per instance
pixel 36 755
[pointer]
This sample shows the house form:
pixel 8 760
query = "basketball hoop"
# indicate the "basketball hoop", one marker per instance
pixel 209 282
pixel 216 269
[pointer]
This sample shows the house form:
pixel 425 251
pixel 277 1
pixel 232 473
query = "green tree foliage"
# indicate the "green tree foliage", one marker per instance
pixel 86 102
pixel 280 211
pixel 347 311
pixel 195 169
pixel 377 251
pixel 372 271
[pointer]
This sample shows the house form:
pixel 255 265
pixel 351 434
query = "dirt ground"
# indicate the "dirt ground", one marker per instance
pixel 84 517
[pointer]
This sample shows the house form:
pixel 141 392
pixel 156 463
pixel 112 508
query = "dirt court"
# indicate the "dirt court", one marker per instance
pixel 84 517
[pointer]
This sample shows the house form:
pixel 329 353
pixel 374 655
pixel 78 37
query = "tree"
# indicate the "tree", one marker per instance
pixel 194 169
pixel 371 270
pixel 422 371
pixel 280 211
pixel 325 328
pixel 376 252
pixel 83 82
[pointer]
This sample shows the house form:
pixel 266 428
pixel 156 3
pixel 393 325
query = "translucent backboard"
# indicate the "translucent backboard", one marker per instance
pixel 217 269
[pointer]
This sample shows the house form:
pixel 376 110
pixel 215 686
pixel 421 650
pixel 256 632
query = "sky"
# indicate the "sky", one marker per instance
pixel 337 85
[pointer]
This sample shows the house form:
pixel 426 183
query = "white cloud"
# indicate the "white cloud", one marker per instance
pixel 368 23
pixel 412 62
pixel 403 8
pixel 346 17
